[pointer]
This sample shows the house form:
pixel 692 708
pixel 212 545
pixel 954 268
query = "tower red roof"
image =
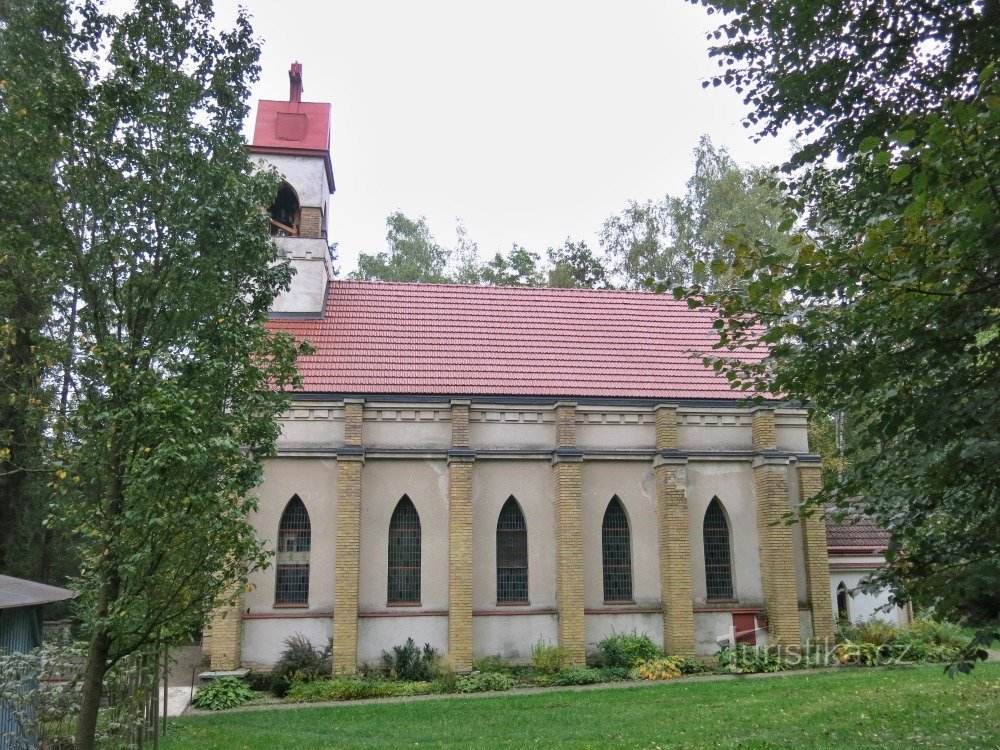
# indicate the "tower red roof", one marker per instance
pixel 295 127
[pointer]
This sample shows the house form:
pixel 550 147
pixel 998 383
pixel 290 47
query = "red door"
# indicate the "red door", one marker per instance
pixel 745 628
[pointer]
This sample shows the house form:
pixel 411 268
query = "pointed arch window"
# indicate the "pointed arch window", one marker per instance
pixel 284 212
pixel 843 611
pixel 616 552
pixel 512 554
pixel 718 558
pixel 291 586
pixel 404 554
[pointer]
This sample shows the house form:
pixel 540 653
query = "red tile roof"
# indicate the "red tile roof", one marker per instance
pixel 864 533
pixel 391 338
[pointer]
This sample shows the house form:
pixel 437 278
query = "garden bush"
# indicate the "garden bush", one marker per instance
pixel 624 650
pixel 876 631
pixel 746 659
pixel 548 659
pixel 354 688
pixel 614 674
pixel 410 663
pixel 860 654
pixel 931 633
pixel 300 661
pixel 494 663
pixel 581 676
pixel 481 682
pixel 663 668
pixel 222 693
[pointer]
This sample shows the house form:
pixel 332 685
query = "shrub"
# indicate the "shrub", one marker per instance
pixel 354 688
pixel 878 632
pixel 664 668
pixel 624 650
pixel 495 663
pixel 410 663
pixel 300 661
pixel 693 666
pixel 582 676
pixel 861 654
pixel 222 693
pixel 747 659
pixel 481 682
pixel 614 674
pixel 933 633
pixel 548 659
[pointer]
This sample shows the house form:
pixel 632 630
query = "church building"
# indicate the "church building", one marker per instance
pixel 482 468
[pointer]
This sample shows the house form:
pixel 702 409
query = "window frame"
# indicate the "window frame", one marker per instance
pixel 293 547
pixel 513 552
pixel 405 542
pixel 623 564
pixel 716 539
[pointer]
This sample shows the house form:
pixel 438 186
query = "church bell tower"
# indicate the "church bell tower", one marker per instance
pixel 294 137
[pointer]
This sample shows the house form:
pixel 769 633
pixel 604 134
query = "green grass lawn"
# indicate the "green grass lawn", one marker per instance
pixel 899 708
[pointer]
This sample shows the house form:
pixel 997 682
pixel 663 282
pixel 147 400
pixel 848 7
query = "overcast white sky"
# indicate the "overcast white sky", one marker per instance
pixel 529 121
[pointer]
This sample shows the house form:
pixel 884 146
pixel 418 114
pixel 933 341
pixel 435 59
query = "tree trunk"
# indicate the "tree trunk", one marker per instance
pixel 93 687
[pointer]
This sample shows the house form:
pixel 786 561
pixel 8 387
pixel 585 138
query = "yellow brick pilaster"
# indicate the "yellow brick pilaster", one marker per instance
pixel 347 554
pixel 568 470
pixel 777 553
pixel 765 435
pixel 461 462
pixel 226 649
pixel 817 562
pixel 673 536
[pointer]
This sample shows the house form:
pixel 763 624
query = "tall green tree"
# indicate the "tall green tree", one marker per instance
pixel 176 382
pixel 886 304
pixel 681 239
pixel 574 265
pixel 519 267
pixel 39 93
pixel 412 254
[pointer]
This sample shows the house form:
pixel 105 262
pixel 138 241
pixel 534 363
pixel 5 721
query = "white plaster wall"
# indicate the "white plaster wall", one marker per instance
pixel 806 624
pixel 378 634
pixel 307 174
pixel 633 482
pixel 314 480
pixel 863 606
pixel 713 429
pixel 528 428
pixel 307 425
pixel 791 430
pixel 709 627
pixel 732 483
pixel 512 636
pixel 407 426
pixel 310 263
pixel 532 484
pixel 611 429
pixel 384 482
pixel 264 640
pixel 599 627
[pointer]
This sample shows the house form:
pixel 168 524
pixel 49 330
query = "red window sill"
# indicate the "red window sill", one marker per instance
pixel 289 605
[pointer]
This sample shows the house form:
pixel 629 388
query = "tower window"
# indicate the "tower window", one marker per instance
pixel 291 584
pixel 616 553
pixel 512 555
pixel 404 554
pixel 285 213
